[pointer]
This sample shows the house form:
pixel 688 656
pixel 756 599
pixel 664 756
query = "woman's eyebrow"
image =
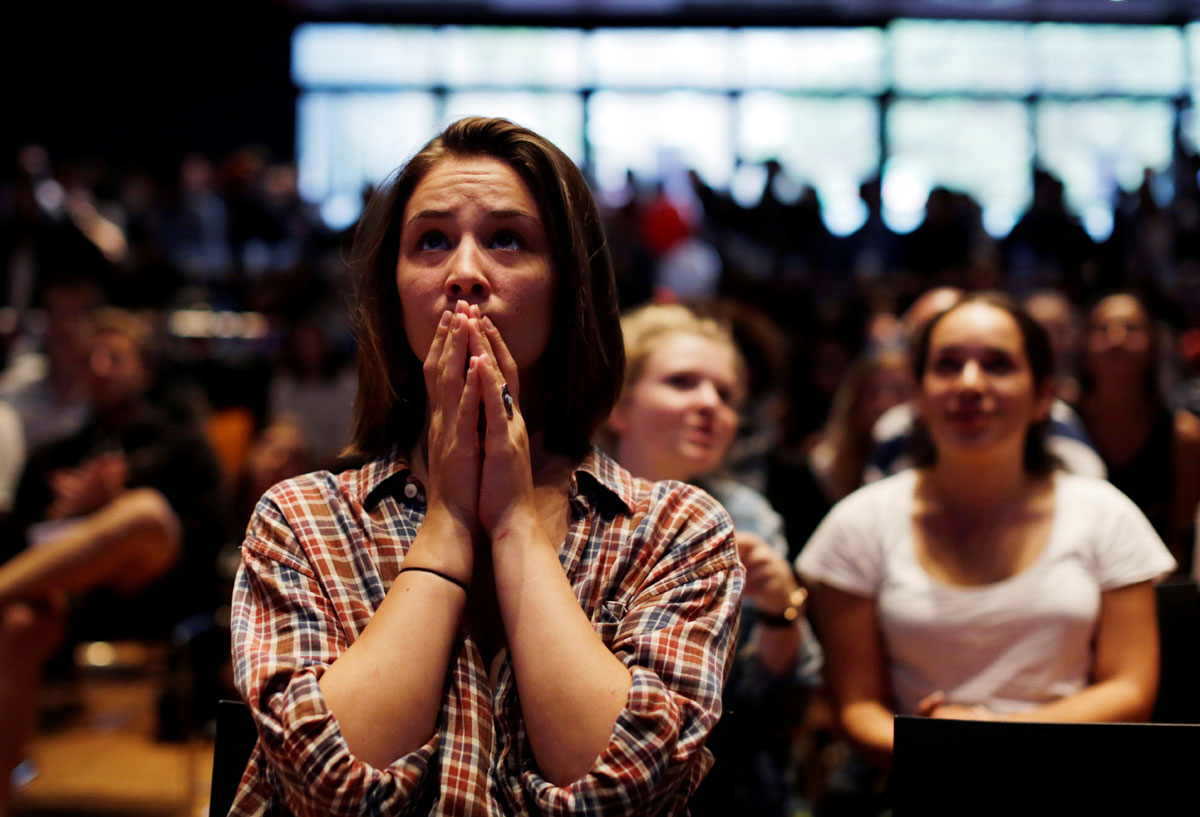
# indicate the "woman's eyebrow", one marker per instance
pixel 429 214
pixel 513 212
pixel 494 214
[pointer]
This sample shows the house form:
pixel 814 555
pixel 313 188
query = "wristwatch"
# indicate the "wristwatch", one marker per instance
pixel 790 613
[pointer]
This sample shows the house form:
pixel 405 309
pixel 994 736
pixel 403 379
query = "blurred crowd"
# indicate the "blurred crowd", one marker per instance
pixel 174 341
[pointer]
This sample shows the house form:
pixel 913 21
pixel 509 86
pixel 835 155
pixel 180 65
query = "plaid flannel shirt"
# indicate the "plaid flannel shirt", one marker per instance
pixel 654 566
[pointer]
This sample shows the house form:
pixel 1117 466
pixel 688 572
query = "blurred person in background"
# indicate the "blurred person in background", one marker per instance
pixel 1058 316
pixel 685 380
pixel 280 451
pixel 1152 452
pixel 122 518
pixel 806 484
pixel 931 587
pixel 46 379
pixel 40 241
pixel 127 446
pixel 1066 435
pixel 315 387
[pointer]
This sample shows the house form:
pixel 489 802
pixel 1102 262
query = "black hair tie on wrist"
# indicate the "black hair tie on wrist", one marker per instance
pixel 438 573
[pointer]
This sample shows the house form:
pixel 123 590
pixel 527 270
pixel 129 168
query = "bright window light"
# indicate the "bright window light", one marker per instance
pixel 348 141
pixel 659 58
pixel 827 59
pixel 931 57
pixel 660 136
pixel 511 58
pixel 558 117
pixel 1099 59
pixel 979 147
pixel 361 56
pixel 831 144
pixel 1100 145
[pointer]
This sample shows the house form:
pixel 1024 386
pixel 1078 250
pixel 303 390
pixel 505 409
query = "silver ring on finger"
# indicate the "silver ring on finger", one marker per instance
pixel 507 397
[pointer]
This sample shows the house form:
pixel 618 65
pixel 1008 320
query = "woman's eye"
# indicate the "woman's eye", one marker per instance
pixel 507 240
pixel 1000 365
pixel 945 365
pixel 433 240
pixel 681 381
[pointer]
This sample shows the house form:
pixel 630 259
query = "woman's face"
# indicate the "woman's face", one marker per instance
pixel 977 393
pixel 1118 339
pixel 680 416
pixel 472 231
pixel 888 384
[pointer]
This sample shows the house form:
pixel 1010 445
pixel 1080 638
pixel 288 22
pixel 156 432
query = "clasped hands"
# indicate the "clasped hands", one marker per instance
pixel 478 457
pixel 88 487
pixel 934 706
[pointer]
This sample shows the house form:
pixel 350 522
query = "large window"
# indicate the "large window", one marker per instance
pixel 973 106
pixel 979 147
pixel 830 143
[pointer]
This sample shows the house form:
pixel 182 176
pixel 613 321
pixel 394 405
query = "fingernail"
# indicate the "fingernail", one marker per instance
pixel 475 313
pixel 446 316
pixel 461 306
pixel 487 322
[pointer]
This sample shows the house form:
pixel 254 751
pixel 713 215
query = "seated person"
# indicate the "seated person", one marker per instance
pixel 127 511
pixel 684 381
pixel 985 583
pixel 489 616
pixel 1151 450
pixel 1066 436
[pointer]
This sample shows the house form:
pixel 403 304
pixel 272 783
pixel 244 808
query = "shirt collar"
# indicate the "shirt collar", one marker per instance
pixel 376 473
pixel 600 473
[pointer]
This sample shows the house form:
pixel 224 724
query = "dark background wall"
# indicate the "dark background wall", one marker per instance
pixel 145 88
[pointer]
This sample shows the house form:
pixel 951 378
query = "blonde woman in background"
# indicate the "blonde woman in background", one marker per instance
pixel 675 420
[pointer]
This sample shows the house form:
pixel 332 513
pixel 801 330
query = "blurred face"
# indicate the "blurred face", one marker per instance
pixel 977 392
pixel 117 376
pixel 471 231
pixel 1118 339
pixel 680 417
pixel 889 384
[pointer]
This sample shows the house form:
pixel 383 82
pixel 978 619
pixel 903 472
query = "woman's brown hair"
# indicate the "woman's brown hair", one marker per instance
pixel 585 346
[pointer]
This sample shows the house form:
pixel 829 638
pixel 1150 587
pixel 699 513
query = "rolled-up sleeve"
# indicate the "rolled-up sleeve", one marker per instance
pixel 286 632
pixel 677 638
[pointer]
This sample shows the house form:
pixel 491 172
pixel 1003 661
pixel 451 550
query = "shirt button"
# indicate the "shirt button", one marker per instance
pixel 410 490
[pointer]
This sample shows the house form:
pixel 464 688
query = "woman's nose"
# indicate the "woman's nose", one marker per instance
pixel 707 395
pixel 971 376
pixel 466 279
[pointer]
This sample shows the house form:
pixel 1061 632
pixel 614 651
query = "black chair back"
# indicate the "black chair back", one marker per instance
pixel 1179 668
pixel 982 768
pixel 236 736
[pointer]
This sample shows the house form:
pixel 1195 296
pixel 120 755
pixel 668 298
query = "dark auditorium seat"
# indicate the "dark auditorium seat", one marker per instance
pixel 236 736
pixel 982 768
pixel 1179 635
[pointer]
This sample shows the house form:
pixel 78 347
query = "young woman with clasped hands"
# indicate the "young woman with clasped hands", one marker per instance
pixel 490 616
pixel 983 583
